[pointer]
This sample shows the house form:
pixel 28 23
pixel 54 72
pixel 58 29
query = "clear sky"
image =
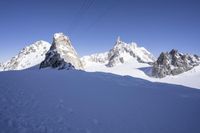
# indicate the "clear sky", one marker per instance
pixel 93 25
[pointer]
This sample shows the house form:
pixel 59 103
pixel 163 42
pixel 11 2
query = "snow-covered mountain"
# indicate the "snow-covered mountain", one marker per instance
pixel 121 53
pixel 29 56
pixel 131 67
pixel 62 54
pixel 174 63
pixel 122 59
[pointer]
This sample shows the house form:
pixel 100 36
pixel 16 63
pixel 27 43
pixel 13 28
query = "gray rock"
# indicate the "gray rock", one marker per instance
pixel 174 63
pixel 61 55
pixel 54 60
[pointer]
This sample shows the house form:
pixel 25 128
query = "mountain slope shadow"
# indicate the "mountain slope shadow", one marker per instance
pixel 146 70
pixel 76 101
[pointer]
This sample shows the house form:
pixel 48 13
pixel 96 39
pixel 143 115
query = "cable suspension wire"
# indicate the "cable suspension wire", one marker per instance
pixel 73 20
pixel 86 5
pixel 103 14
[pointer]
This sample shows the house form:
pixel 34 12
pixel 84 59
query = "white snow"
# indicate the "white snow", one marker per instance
pixel 140 52
pixel 57 35
pixel 34 54
pixel 29 56
pixel 49 101
pixel 132 67
pixel 140 70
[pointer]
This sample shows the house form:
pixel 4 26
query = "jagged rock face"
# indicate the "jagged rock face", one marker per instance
pixel 29 56
pixel 122 51
pixel 62 55
pixel 174 63
pixel 54 60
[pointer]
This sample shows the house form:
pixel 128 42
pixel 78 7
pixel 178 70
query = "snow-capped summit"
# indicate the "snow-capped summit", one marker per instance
pixel 62 54
pixel 29 56
pixel 173 63
pixel 121 53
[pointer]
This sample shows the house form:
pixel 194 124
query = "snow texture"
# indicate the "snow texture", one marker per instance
pixel 49 101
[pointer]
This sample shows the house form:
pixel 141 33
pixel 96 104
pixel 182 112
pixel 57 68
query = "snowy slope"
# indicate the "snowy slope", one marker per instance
pixel 49 101
pixel 141 70
pixel 29 56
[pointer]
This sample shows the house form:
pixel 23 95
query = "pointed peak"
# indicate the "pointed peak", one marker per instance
pixel 118 39
pixel 173 51
pixel 57 35
pixel 60 35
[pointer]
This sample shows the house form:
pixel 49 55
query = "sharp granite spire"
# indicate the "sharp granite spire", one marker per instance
pixel 62 54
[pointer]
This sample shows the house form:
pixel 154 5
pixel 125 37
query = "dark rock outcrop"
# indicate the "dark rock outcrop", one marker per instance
pixel 174 63
pixel 61 55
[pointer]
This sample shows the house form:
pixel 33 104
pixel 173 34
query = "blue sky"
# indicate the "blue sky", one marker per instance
pixel 93 25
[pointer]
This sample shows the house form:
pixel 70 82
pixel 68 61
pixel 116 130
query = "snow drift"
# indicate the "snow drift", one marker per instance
pixel 49 101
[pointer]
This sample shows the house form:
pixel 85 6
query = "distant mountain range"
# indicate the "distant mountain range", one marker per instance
pixel 123 59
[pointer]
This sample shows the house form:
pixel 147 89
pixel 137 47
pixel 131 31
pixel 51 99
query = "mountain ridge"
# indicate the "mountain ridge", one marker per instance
pixel 29 56
pixel 174 63
pixel 120 53
pixel 122 59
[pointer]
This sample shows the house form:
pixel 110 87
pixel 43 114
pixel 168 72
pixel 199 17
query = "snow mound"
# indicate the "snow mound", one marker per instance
pixel 48 101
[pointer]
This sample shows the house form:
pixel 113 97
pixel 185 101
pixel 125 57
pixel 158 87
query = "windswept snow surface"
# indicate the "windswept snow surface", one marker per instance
pixel 48 101
pixel 141 70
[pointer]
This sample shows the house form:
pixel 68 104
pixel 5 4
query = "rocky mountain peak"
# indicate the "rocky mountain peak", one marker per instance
pixel 173 52
pixel 173 63
pixel 124 51
pixel 121 53
pixel 118 40
pixel 62 54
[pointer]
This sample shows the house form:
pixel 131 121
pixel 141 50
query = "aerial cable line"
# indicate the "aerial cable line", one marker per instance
pixel 102 15
pixel 81 9
pixel 83 13
pixel 88 4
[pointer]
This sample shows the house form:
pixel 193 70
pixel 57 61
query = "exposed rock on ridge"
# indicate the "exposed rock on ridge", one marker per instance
pixel 174 63
pixel 62 55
